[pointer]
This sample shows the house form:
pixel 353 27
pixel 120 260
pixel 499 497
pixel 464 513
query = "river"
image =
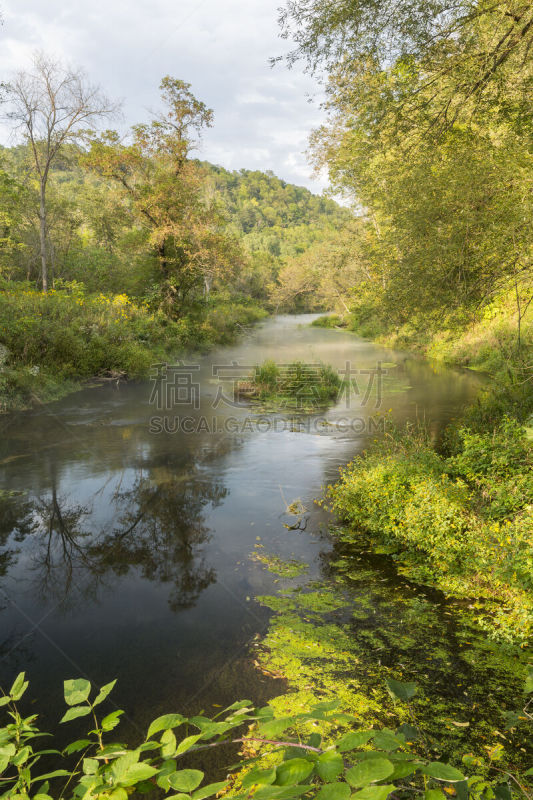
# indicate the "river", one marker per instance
pixel 126 546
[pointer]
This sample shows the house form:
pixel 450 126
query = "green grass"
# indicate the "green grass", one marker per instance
pixel 297 385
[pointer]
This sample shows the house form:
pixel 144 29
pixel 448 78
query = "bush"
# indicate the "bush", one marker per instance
pixel 316 753
pixel 463 523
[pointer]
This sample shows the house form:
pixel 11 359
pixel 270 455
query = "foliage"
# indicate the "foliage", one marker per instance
pixel 52 341
pixel 463 523
pixel 373 763
pixel 305 385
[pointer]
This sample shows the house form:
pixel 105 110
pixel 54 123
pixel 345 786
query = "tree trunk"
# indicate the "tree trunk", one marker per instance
pixel 42 236
pixel 163 259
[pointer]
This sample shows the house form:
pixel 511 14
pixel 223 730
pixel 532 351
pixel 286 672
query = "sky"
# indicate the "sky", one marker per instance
pixel 263 115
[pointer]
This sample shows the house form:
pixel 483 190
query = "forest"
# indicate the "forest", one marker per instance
pixel 371 593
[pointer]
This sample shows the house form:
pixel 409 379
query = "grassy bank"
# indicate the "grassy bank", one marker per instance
pixel 462 522
pixel 50 343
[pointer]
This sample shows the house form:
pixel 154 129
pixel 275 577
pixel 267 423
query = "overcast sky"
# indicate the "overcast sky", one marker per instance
pixel 262 115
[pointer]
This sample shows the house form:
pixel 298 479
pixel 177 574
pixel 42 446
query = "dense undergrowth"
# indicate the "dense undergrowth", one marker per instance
pixel 462 521
pixel 49 343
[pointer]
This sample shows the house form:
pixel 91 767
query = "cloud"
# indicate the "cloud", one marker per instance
pixel 222 47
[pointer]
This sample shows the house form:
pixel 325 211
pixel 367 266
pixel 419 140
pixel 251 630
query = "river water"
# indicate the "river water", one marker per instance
pixel 126 547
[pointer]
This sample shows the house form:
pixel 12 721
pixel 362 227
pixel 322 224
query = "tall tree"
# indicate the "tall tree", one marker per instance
pixel 166 189
pixel 51 105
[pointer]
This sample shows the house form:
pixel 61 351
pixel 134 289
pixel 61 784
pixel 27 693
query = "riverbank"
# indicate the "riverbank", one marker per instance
pixel 52 344
pixel 457 513
pixel 492 342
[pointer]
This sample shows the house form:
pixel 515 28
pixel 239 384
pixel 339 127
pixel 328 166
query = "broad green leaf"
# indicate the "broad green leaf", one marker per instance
pixel 374 792
pixel 400 691
pixel 334 791
pixel 207 791
pixel 387 740
pixel 187 743
pixel 21 757
pixel 103 693
pixel 404 768
pixel 168 743
pixel 433 794
pixel 180 796
pixel 186 780
pixel 4 700
pixel 329 765
pixel 165 722
pixel 257 775
pixel 369 771
pixel 292 772
pixel 273 728
pixel 353 740
pixel 442 772
pixel 528 686
pixel 137 773
pixel 74 713
pixel 119 794
pixel 76 691
pixel 111 720
pixel 90 766
pixel 20 685
pixel 529 771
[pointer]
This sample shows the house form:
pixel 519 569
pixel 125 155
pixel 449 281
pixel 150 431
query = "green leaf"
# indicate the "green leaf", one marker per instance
pixel 186 780
pixel 352 740
pixel 165 722
pixel 265 776
pixel 334 791
pixel 111 720
pixel 502 792
pixel 166 769
pixel 374 792
pixel 528 686
pixel 119 794
pixel 187 743
pixel 292 772
pixel 103 693
pixel 400 691
pixel 5 700
pixel 387 740
pixel 281 792
pixel 274 727
pixel 434 794
pixel 404 768
pixel 442 772
pixel 207 791
pixel 57 773
pixel 329 765
pixel 136 773
pixel 529 771
pixel 369 771
pixel 74 713
pixel 19 686
pixel 75 747
pixel 90 766
pixel 168 743
pixel 76 691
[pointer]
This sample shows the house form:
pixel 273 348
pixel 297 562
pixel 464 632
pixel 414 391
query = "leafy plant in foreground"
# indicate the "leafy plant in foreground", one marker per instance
pixel 363 764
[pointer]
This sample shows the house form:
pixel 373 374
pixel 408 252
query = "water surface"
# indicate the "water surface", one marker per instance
pixel 126 549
